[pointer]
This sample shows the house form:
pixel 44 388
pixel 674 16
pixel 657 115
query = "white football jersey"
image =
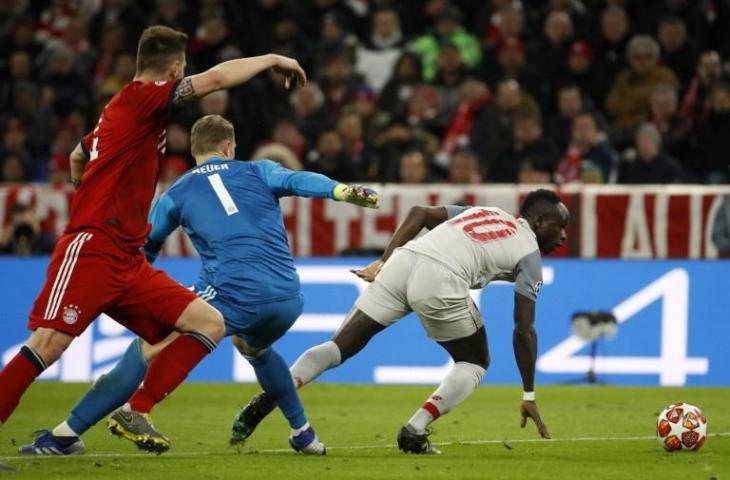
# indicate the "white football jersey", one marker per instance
pixel 481 244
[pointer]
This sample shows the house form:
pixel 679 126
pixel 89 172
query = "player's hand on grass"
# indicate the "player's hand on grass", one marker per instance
pixel 357 195
pixel 290 69
pixel 528 409
pixel 370 272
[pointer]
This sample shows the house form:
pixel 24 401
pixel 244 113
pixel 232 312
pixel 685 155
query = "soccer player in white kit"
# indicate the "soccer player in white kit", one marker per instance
pixel 466 248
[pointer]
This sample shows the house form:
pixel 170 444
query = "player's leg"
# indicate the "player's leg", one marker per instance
pixel 471 359
pixel 44 346
pixel 450 317
pixel 77 284
pixel 255 331
pixel 153 307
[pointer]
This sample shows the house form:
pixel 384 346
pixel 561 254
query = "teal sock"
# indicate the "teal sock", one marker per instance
pixel 110 391
pixel 274 377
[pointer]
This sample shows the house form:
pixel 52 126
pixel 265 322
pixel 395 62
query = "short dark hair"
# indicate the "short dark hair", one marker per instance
pixel 158 47
pixel 208 133
pixel 536 202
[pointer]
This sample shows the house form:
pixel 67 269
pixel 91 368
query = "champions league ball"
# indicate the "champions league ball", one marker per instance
pixel 681 426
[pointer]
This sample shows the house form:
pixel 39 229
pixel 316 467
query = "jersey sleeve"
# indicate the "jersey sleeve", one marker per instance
pixel 155 98
pixel 528 275
pixel 454 210
pixel 284 182
pixel 164 218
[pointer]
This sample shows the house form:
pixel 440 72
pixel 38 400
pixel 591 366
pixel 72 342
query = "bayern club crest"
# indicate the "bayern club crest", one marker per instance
pixel 71 314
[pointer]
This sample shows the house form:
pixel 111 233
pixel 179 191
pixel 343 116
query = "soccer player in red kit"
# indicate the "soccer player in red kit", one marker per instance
pixel 98 266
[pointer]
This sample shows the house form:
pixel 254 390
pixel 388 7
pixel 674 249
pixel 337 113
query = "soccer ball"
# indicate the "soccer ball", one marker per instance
pixel 681 426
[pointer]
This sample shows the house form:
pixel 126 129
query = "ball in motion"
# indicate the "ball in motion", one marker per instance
pixel 681 426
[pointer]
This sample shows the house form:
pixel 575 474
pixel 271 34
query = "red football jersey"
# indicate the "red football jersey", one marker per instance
pixel 124 152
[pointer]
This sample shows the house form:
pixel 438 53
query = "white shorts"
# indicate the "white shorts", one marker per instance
pixel 412 282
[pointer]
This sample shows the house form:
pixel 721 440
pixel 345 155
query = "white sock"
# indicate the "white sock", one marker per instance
pixel 127 407
pixel 297 431
pixel 63 430
pixel 314 361
pixel 458 384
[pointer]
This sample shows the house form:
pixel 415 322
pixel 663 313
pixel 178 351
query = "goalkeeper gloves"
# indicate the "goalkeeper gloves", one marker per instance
pixel 357 195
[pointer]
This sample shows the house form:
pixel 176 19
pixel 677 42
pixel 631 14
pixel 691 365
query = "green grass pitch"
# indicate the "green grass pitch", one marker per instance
pixel 599 432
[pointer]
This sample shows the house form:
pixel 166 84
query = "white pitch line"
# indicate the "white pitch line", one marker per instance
pixel 253 451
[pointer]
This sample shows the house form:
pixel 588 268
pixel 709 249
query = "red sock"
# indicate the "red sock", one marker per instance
pixel 169 369
pixel 15 379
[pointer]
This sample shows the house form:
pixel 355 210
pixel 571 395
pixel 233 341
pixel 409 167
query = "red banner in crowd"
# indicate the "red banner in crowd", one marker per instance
pixel 607 221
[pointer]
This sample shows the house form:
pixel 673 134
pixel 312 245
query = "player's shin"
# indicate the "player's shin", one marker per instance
pixel 461 381
pixel 273 376
pixel 109 392
pixel 314 361
pixel 16 377
pixel 170 368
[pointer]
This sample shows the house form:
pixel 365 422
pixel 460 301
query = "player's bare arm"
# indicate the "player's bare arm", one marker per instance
pixel 417 219
pixel 524 341
pixel 235 72
pixel 78 160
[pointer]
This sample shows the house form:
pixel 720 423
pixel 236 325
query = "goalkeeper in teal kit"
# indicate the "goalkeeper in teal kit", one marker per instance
pixel 230 210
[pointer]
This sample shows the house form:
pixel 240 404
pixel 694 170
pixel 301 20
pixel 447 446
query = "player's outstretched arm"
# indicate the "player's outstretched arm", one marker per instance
pixel 78 160
pixel 524 341
pixel 235 72
pixel 164 220
pixel 283 182
pixel 417 219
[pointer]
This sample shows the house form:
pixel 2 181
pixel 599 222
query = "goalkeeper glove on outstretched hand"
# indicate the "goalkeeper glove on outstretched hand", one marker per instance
pixel 357 195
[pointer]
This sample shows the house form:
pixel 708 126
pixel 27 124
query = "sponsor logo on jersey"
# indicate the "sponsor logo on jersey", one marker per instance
pixel 71 314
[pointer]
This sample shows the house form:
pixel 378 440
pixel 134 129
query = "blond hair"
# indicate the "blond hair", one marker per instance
pixel 208 133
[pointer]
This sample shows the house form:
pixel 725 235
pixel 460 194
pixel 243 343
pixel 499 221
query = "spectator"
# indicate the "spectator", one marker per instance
pixel 330 158
pixel 177 145
pixel 530 175
pixel 122 73
pixel 173 14
pixel 610 49
pixel 70 89
pixel 23 234
pixel 13 169
pixel 376 58
pixel 587 153
pixel 395 140
pixel 528 145
pixel 358 150
pixel 475 96
pixel 570 104
pixel 20 71
pixel 309 115
pixel 111 44
pixel 398 90
pixel 696 102
pixel 335 38
pixel 413 168
pixel 512 65
pixel 339 82
pixel 712 140
pixel 649 164
pixel 286 36
pixel 551 53
pixel 450 74
pixel 22 38
pixel 214 44
pixel 581 71
pixel 119 12
pixel 279 153
pixel 665 116
pixel 464 168
pixel 448 29
pixel 492 131
pixel 679 52
pixel 628 100
pixel 721 228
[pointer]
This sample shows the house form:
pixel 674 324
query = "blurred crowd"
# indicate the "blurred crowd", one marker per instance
pixel 460 91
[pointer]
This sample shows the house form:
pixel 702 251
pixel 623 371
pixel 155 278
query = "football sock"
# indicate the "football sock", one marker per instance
pixel 314 361
pixel 170 368
pixel 64 430
pixel 16 377
pixel 459 383
pixel 274 377
pixel 109 392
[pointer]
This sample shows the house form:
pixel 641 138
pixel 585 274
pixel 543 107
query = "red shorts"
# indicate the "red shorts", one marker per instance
pixel 89 275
